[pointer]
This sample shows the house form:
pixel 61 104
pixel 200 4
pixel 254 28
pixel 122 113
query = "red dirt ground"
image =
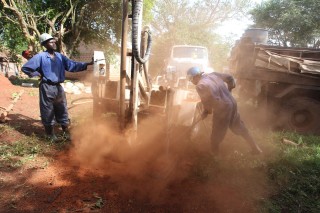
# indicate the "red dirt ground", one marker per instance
pixel 99 171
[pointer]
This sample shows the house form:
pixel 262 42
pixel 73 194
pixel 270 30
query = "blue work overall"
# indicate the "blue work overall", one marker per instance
pixel 216 97
pixel 53 104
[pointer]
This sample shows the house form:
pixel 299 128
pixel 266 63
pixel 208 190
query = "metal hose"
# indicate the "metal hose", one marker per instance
pixel 136 12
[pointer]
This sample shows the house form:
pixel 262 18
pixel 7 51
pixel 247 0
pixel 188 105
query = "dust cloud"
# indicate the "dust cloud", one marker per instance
pixel 154 169
pixel 143 164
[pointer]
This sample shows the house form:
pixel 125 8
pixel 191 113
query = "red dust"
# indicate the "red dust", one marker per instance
pixel 103 171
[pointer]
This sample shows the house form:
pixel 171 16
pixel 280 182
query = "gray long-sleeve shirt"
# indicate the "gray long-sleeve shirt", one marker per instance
pixel 214 93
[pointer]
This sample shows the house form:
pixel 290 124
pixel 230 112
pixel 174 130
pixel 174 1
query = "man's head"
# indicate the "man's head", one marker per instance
pixel 194 75
pixel 48 41
pixel 27 54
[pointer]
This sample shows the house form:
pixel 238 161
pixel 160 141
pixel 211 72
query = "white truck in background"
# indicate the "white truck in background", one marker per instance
pixel 183 57
pixel 185 106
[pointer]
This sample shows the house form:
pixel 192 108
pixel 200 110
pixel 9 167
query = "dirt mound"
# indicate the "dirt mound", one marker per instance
pixel 25 105
pixel 5 82
pixel 7 91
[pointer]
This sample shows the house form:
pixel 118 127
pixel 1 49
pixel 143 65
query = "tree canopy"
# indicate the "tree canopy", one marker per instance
pixel 74 21
pixel 293 23
pixel 192 22
pixel 70 21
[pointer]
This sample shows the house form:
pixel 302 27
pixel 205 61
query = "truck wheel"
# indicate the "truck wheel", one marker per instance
pixel 302 115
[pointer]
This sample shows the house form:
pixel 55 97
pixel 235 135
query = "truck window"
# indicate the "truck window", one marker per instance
pixel 189 52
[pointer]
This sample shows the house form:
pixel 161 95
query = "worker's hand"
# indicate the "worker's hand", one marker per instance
pixel 91 62
pixel 231 85
pixel 204 114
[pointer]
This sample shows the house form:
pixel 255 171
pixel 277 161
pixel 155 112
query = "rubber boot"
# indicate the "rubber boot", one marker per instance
pixel 66 132
pixel 50 134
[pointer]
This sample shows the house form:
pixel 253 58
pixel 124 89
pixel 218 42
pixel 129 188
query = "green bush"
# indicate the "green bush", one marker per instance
pixel 19 81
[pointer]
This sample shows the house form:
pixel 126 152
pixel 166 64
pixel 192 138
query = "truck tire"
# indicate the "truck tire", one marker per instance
pixel 302 115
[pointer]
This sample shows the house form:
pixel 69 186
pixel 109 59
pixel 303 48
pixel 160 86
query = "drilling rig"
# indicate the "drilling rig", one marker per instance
pixel 133 94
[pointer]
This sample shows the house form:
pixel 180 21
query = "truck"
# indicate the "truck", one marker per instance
pixel 284 81
pixel 181 58
pixel 185 107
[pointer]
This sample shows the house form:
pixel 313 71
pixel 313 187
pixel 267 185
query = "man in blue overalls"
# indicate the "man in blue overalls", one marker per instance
pixel 217 99
pixel 51 67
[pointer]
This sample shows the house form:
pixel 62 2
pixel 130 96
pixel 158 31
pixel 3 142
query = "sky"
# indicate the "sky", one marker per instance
pixel 235 28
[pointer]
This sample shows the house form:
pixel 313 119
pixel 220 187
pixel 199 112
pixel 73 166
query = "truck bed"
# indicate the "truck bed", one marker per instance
pixel 270 63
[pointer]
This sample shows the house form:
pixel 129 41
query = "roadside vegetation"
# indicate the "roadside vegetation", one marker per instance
pixel 295 173
pixel 16 154
pixel 26 151
pixel 292 173
pixel 20 80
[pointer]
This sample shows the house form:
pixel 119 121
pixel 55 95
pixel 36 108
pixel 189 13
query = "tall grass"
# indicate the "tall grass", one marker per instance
pixel 295 172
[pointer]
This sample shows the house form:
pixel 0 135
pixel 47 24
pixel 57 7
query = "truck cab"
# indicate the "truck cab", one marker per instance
pixel 183 57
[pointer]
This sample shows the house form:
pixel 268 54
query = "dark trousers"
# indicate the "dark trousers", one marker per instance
pixel 53 104
pixel 225 117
